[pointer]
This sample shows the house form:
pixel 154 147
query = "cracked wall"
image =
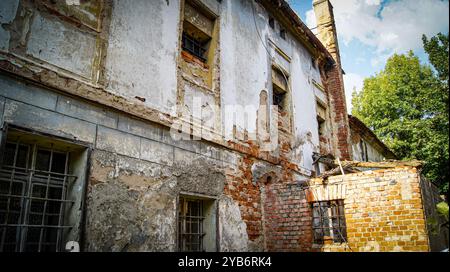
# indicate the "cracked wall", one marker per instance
pixel 383 210
pixel 136 170
pixel 107 81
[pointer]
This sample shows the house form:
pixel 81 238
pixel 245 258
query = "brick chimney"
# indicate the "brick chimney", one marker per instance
pixel 334 79
pixel 326 27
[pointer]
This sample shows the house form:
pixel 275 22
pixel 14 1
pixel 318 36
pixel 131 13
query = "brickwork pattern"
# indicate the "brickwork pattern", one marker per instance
pixel 383 210
pixel 335 88
pixel 288 218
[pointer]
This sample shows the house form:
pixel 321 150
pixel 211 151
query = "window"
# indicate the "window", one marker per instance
pixel 321 117
pixel 280 88
pixel 196 225
pixel 321 123
pixel 283 33
pixel 198 30
pixel 363 147
pixel 194 46
pixel 278 98
pixel 272 23
pixel 36 190
pixel 313 63
pixel 329 221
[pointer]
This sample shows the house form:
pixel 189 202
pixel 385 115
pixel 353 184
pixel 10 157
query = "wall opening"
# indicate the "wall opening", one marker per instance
pixel 41 191
pixel 196 224
pixel 280 86
pixel 329 222
pixel 198 29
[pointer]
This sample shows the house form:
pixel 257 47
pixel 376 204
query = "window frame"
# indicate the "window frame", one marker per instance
pixel 75 214
pixel 279 98
pixel 272 22
pixel 184 212
pixel 327 221
pixel 205 45
pixel 210 222
pixel 195 43
pixel 364 153
pixel 283 33
pixel 280 93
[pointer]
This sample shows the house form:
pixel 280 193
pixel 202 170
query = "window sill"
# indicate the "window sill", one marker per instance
pixel 327 244
pixel 188 57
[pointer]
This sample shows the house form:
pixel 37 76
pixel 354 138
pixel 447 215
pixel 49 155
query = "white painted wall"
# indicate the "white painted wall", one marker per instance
pixel 142 51
pixel 142 55
pixel 8 10
pixel 246 70
pixel 62 45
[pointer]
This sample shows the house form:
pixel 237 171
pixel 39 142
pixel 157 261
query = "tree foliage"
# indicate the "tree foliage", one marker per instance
pixel 437 50
pixel 406 105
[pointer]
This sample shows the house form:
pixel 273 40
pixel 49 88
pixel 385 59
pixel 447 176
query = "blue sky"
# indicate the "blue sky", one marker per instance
pixel 369 31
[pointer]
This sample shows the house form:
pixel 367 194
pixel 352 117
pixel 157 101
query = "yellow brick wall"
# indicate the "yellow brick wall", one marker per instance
pixel 383 211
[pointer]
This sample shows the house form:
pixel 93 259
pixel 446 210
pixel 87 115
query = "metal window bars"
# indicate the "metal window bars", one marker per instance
pixel 190 228
pixel 193 46
pixel 329 221
pixel 34 184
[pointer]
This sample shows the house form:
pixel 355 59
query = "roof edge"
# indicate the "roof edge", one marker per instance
pixel 303 33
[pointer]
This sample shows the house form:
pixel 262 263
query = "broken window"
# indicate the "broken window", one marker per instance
pixel 36 186
pixel 363 147
pixel 278 98
pixel 329 221
pixel 280 88
pixel 196 225
pixel 283 33
pixel 313 63
pixel 272 23
pixel 321 118
pixel 198 29
pixel 321 123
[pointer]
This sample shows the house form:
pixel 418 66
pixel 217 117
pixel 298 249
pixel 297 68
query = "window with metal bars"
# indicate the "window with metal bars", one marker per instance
pixel 194 47
pixel 191 225
pixel 329 221
pixel 198 30
pixel 34 185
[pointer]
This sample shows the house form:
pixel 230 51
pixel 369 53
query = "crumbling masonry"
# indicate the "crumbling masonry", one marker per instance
pixel 102 147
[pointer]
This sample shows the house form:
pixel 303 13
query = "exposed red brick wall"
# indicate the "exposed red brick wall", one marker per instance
pixel 287 217
pixel 240 187
pixel 335 88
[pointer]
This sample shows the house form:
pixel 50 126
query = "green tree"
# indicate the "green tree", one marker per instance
pixel 437 50
pixel 406 105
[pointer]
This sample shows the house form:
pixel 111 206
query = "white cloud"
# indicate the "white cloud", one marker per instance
pixel 385 27
pixel 400 27
pixel 373 2
pixel 311 20
pixel 359 60
pixel 352 82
